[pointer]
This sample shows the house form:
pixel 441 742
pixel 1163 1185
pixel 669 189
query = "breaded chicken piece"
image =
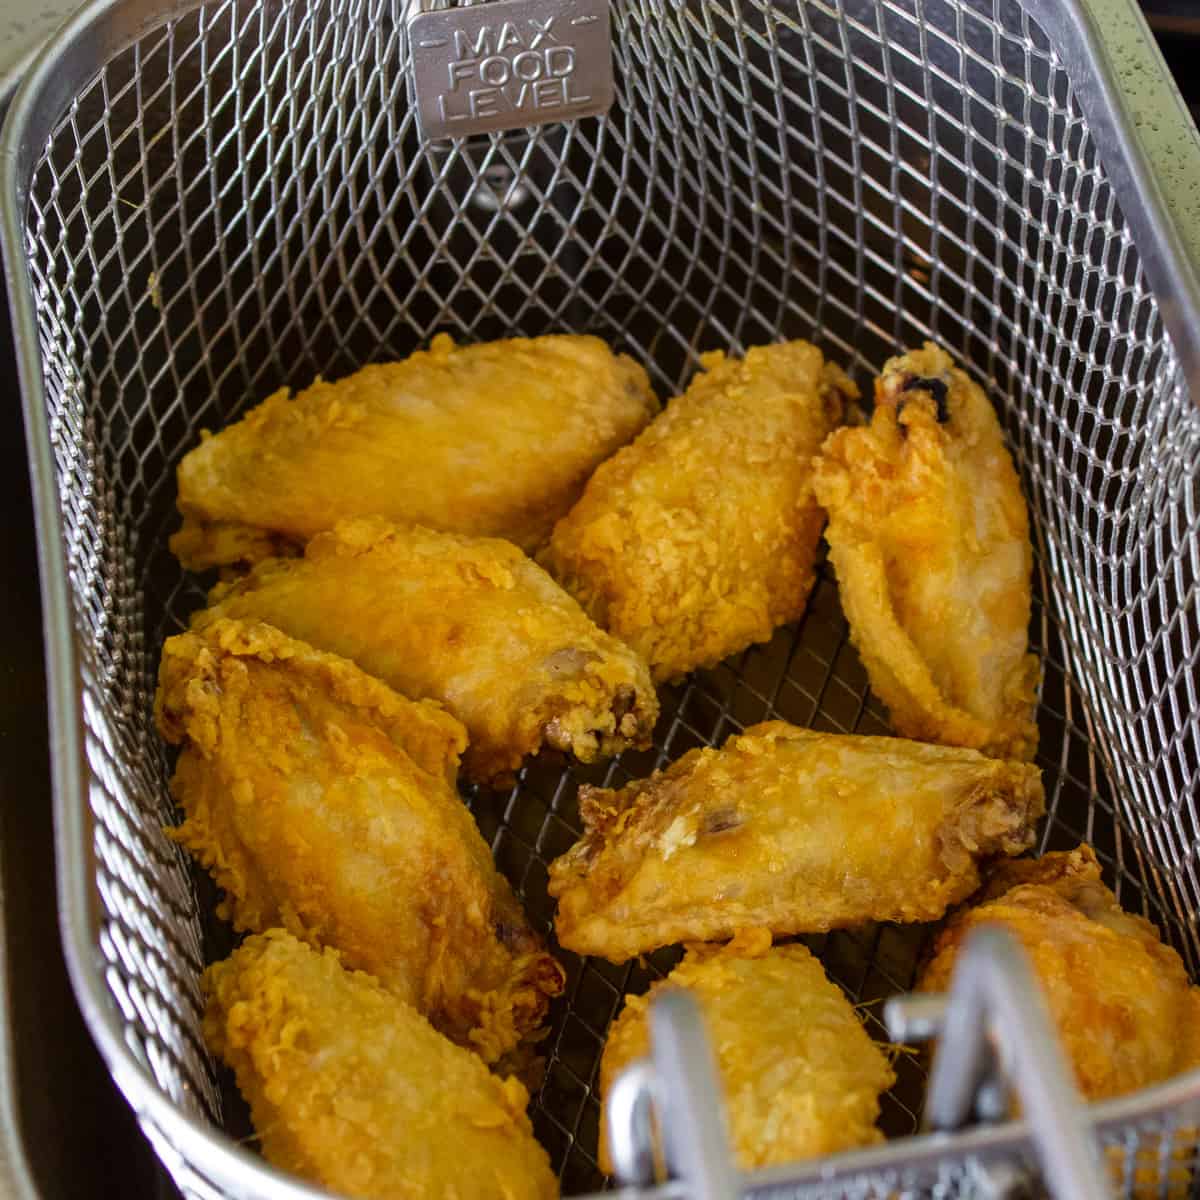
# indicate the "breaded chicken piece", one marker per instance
pixel 352 1089
pixel 800 1076
pixel 323 802
pixel 495 439
pixel 787 830
pixel 700 538
pixel 471 622
pixel 1125 1009
pixel 929 537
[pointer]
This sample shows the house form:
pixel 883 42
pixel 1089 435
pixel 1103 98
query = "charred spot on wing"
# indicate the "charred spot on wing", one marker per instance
pixel 721 820
pixel 623 702
pixel 937 388
pixel 508 934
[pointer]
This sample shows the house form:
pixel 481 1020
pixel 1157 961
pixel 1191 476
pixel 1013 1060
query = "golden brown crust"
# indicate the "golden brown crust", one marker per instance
pixel 188 702
pixel 471 622
pixel 200 544
pixel 1066 873
pixel 800 1076
pixel 353 1090
pixel 929 537
pixel 700 538
pixel 322 801
pixel 791 831
pixel 493 440
pixel 1124 1006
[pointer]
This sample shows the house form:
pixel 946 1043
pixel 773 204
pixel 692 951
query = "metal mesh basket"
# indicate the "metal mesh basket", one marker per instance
pixel 202 204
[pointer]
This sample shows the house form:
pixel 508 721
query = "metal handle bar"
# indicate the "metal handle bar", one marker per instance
pixel 995 1008
pixel 678 1085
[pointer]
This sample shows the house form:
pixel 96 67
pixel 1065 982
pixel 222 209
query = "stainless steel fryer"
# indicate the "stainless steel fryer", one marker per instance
pixel 203 203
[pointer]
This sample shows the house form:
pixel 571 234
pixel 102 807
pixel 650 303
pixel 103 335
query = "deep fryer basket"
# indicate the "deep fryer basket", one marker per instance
pixel 203 203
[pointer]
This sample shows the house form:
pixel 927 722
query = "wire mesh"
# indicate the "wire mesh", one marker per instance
pixel 951 1181
pixel 238 201
pixel 1155 1160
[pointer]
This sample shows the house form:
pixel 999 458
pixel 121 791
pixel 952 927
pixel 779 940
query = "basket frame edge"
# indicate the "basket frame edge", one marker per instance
pixel 100 30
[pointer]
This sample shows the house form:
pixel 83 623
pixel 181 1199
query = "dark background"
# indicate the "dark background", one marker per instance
pixel 1176 23
pixel 74 1132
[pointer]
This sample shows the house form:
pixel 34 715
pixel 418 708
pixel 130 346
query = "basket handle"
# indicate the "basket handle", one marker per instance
pixel 993 1017
pixel 676 1088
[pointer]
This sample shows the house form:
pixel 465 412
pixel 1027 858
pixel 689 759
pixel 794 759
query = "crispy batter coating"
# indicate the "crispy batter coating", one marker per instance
pixel 1125 1009
pixel 323 802
pixel 471 622
pixel 801 1077
pixel 700 538
pixel 929 537
pixel 791 831
pixel 495 440
pixel 354 1090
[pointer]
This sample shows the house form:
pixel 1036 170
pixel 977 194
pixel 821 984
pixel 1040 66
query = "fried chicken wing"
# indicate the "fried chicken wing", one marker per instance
pixel 929 538
pixel 471 622
pixel 700 538
pixel 495 439
pixel 323 802
pixel 800 1076
pixel 352 1089
pixel 791 831
pixel 1125 1009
